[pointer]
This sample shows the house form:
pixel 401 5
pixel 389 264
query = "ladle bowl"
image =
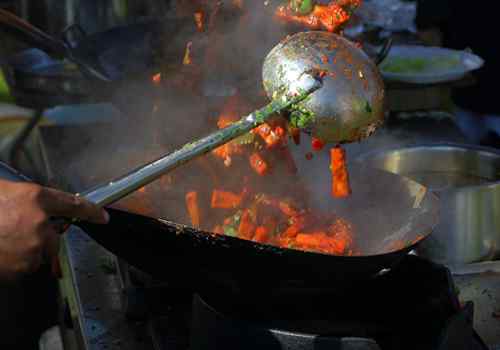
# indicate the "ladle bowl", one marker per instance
pixel 350 105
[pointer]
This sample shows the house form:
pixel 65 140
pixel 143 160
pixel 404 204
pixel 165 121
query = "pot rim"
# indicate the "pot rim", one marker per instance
pixel 365 160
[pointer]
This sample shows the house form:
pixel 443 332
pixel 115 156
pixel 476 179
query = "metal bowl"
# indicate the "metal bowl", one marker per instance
pixel 467 180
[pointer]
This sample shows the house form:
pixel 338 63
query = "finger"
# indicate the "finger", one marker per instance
pixel 58 203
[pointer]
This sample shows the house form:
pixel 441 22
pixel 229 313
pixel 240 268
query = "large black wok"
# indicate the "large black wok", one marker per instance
pixel 385 210
pixel 385 213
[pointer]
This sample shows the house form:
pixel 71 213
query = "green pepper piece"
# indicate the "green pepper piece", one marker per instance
pixel 302 7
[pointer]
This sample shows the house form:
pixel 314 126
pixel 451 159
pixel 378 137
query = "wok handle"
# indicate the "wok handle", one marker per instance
pixel 29 33
pixel 117 189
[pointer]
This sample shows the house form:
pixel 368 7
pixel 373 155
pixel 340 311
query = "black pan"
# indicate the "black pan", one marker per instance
pixel 384 208
pixel 106 56
pixel 391 208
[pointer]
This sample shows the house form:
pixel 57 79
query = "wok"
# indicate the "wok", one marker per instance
pixel 103 57
pixel 391 210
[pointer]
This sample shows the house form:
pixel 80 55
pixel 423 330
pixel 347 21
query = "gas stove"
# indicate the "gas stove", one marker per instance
pixel 110 305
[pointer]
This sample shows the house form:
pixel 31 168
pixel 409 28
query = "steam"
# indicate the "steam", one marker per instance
pixel 156 120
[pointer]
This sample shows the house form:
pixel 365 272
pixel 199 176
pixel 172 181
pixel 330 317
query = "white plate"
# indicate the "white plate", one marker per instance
pixel 438 64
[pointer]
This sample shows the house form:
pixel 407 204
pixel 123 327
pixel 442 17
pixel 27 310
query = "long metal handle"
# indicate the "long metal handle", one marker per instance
pixel 116 190
pixel 27 32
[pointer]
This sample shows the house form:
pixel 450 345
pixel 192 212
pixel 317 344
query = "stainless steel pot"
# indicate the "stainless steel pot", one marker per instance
pixel 467 180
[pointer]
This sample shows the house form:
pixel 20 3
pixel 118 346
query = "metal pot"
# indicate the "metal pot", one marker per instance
pixel 467 180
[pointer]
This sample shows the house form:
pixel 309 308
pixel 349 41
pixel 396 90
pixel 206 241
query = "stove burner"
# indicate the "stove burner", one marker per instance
pixel 412 307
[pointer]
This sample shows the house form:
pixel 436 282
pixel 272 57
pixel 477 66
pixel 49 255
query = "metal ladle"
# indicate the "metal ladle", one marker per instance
pixel 350 106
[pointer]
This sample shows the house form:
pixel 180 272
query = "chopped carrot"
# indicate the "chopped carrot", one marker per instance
pixel 227 150
pixel 330 17
pixel 247 225
pixel 198 20
pixel 288 209
pixel 156 78
pixel 218 230
pixel 225 120
pixel 193 208
pixel 320 241
pixel 259 164
pixel 340 177
pixel 261 234
pixel 293 230
pixel 225 199
pixel 272 135
pixel 238 4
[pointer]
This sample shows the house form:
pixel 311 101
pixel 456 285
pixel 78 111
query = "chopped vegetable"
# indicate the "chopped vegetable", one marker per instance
pixel 302 7
pixel 262 234
pixel 247 225
pixel 317 144
pixel 340 176
pixel 330 17
pixel 321 242
pixel 156 79
pixel 193 208
pixel 272 136
pixel 218 229
pixel 225 199
pixel 297 225
pixel 287 208
pixel 259 164
pixel 198 20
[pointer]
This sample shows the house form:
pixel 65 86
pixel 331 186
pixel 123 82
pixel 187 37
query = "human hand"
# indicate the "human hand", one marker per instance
pixel 26 233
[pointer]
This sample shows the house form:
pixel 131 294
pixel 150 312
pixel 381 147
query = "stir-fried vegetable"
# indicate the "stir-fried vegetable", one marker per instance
pixel 302 7
pixel 259 164
pixel 280 222
pixel 193 208
pixel 225 199
pixel 340 177
pixel 329 17
pixel 199 18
